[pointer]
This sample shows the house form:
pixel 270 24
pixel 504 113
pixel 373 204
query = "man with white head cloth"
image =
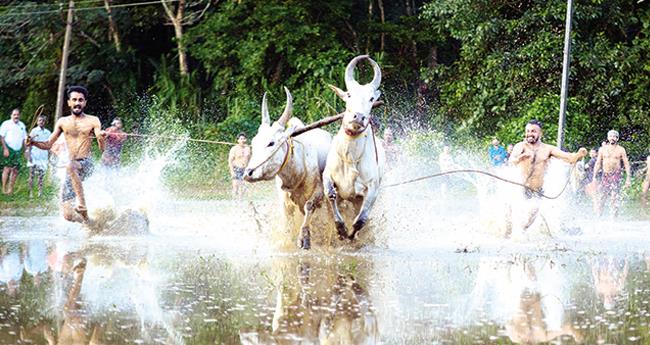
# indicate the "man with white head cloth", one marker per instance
pixel 609 158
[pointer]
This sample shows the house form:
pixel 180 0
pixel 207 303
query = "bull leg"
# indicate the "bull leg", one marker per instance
pixel 338 219
pixel 305 236
pixel 362 218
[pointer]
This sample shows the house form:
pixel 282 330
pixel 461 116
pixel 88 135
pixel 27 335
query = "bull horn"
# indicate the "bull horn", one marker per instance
pixel 376 79
pixel 349 72
pixel 288 109
pixel 266 118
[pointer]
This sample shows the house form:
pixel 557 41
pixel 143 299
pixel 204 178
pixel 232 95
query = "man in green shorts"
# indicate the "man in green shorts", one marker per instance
pixel 12 136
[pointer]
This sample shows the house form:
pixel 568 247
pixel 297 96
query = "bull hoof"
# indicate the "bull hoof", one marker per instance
pixel 356 227
pixel 305 239
pixel 359 224
pixel 343 232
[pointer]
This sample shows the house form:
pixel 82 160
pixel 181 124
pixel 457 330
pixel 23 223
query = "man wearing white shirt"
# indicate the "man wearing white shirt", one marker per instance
pixel 38 158
pixel 12 136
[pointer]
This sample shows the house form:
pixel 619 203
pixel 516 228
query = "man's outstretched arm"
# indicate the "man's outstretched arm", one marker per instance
pixel 567 156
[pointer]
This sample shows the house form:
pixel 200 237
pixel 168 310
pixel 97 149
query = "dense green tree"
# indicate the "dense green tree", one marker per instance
pixel 509 67
pixel 469 68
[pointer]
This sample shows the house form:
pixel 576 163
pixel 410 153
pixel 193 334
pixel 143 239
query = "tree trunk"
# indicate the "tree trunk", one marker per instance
pixel 64 63
pixel 182 55
pixel 380 4
pixel 368 41
pixel 112 28
pixel 177 22
pixel 433 58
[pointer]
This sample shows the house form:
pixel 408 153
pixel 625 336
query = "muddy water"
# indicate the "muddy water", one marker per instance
pixel 208 274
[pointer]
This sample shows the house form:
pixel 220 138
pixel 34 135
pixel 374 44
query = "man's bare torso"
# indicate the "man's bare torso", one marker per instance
pixel 533 168
pixel 240 155
pixel 612 157
pixel 78 132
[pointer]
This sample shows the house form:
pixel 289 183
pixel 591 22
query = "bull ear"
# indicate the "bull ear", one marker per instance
pixel 342 94
pixel 266 118
pixel 288 109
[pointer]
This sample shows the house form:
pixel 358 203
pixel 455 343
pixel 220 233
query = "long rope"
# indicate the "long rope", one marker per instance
pixel 476 171
pixel 168 137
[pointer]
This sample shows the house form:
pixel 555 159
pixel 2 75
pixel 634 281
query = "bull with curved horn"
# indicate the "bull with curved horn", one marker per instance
pixel 295 163
pixel 355 163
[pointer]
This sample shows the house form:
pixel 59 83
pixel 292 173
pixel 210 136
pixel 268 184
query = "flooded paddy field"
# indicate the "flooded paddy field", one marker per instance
pixel 208 273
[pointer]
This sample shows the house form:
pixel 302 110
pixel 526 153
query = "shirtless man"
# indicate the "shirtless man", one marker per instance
pixel 238 159
pixel 77 129
pixel 531 156
pixel 610 157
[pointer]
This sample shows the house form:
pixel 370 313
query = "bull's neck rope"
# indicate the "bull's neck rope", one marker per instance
pixel 287 155
pixel 344 155
pixel 272 154
pixel 358 135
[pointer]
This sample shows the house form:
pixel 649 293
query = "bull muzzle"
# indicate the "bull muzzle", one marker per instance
pixel 356 124
pixel 248 175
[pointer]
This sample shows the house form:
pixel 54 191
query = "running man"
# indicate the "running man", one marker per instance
pixel 238 159
pixel 77 129
pixel 610 157
pixel 531 156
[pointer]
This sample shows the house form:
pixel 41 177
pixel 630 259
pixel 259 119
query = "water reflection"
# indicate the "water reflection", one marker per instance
pixel 11 267
pixel 610 274
pixel 71 294
pixel 319 301
pixel 528 296
pixel 125 290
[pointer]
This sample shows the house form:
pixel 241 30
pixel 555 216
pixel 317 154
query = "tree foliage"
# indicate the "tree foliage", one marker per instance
pixel 509 67
pixel 473 68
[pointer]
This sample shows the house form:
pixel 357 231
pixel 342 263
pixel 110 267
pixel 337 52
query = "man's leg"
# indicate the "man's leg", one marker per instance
pixel 30 179
pixel 5 179
pixel 13 174
pixel 644 191
pixel 41 176
pixel 599 198
pixel 234 188
pixel 69 213
pixel 532 215
pixel 77 186
pixel 242 189
pixel 615 200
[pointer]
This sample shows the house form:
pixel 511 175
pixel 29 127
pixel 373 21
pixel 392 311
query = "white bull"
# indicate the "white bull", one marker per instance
pixel 295 163
pixel 356 161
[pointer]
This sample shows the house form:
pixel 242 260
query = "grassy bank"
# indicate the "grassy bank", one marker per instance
pixel 20 203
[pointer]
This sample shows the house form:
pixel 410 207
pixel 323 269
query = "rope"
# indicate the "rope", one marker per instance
pixel 178 138
pixel 37 113
pixel 290 147
pixel 476 171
